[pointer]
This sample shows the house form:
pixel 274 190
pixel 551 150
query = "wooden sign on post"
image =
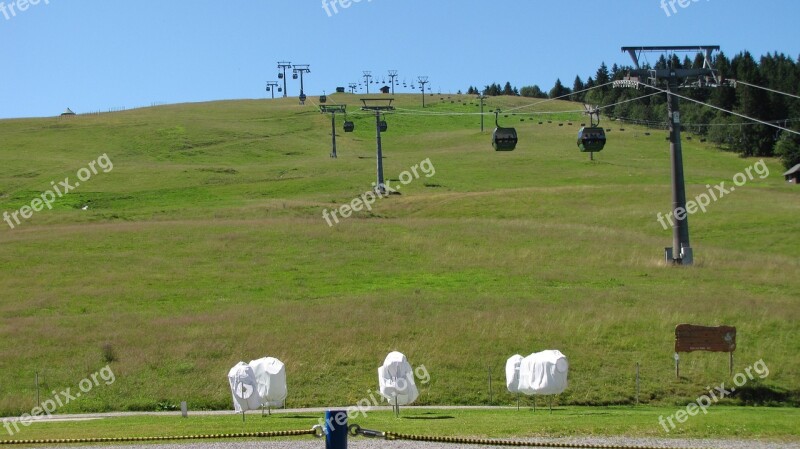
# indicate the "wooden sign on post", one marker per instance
pixel 690 338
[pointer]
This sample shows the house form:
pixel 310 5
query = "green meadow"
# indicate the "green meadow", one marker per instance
pixel 206 245
pixel 721 422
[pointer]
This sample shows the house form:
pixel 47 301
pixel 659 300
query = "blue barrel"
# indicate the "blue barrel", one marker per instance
pixel 335 429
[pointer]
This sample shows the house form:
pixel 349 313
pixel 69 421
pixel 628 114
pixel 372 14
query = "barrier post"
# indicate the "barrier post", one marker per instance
pixel 335 429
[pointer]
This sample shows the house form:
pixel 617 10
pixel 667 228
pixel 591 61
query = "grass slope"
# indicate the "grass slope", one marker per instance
pixel 205 245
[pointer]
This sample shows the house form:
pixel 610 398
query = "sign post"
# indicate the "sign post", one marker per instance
pixel 689 338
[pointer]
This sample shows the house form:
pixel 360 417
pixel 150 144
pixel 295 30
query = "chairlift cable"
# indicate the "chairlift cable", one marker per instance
pixel 723 109
pixel 765 88
pixel 562 96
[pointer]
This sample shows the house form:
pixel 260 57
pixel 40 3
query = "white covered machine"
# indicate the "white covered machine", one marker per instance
pixel 261 383
pixel 396 380
pixel 543 373
pixel 242 381
pixel 512 373
pixel 270 374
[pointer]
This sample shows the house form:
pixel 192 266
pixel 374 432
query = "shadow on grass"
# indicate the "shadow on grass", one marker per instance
pixel 758 394
pixel 297 416
pixel 430 417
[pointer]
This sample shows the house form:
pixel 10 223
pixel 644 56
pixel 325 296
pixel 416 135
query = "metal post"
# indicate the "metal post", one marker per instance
pixel 367 76
pixel 301 83
pixel 38 400
pixel 490 384
pixel 333 133
pixel 423 80
pixel 335 429
pixel 731 363
pixel 482 98
pixel 392 76
pixel 381 186
pixel 682 251
pixel 283 66
pixel 271 86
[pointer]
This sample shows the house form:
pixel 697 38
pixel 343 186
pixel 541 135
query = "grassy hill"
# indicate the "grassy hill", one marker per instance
pixel 206 245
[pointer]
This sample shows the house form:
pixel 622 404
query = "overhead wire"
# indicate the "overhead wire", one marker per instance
pixel 722 109
pixel 766 88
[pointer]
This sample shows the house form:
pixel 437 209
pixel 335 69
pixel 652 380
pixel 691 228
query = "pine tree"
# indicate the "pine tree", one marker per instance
pixel 558 90
pixel 788 148
pixel 577 86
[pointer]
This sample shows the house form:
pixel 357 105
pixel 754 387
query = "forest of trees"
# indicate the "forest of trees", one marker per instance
pixel 774 71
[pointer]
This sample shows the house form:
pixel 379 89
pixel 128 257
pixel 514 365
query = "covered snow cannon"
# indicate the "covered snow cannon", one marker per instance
pixel 242 381
pixel 396 380
pixel 270 376
pixel 543 373
pixel 512 373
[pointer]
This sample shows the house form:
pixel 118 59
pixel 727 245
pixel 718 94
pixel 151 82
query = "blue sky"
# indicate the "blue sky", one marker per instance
pixel 94 55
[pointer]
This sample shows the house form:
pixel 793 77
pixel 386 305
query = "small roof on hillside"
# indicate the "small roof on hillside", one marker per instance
pixel 68 112
pixel 792 170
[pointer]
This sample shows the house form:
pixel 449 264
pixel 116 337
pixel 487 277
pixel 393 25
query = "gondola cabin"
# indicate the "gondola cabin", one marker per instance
pixel 591 139
pixel 504 139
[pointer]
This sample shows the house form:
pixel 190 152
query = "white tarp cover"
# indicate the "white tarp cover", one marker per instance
pixel 543 373
pixel 512 373
pixel 270 375
pixel 396 380
pixel 242 380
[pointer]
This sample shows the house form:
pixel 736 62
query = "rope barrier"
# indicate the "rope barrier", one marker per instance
pixel 315 431
pixel 318 432
pixel 356 430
